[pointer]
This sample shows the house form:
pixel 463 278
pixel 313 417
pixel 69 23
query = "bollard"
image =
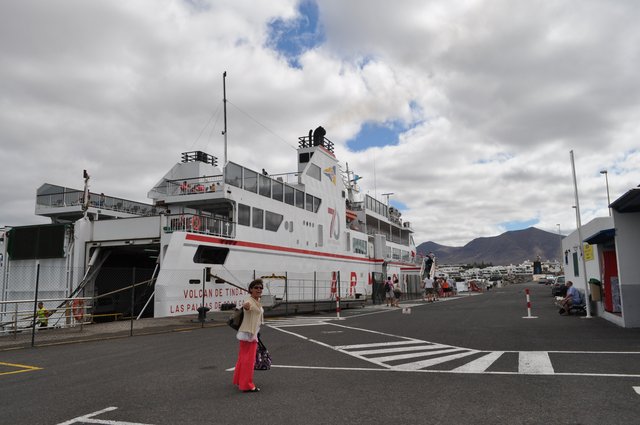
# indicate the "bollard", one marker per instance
pixel 528 316
pixel 202 314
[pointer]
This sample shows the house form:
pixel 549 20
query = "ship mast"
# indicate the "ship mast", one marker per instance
pixel 224 103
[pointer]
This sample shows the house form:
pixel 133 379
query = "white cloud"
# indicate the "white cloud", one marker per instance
pixel 501 91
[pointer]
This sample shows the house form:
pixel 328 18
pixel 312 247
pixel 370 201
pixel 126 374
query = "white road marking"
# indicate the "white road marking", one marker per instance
pixel 637 390
pixel 377 344
pixel 414 355
pixel 399 350
pixel 529 362
pixel 372 369
pixel 480 364
pixel 432 362
pixel 89 419
pixel 535 363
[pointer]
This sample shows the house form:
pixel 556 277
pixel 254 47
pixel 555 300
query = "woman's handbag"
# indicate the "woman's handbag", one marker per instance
pixel 263 358
pixel 235 320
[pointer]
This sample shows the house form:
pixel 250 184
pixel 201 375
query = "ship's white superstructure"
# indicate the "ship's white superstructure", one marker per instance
pixel 309 234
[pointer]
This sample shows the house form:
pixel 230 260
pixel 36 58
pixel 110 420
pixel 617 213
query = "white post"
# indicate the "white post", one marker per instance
pixel 528 316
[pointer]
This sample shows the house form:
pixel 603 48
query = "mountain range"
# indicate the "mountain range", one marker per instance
pixel 511 247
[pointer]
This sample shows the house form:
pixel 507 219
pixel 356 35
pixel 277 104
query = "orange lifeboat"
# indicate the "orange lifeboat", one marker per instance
pixel 351 215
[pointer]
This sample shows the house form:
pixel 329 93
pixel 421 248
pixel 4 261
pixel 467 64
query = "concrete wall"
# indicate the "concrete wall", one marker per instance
pixel 627 248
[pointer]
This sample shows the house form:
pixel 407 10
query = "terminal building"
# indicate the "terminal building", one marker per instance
pixel 606 268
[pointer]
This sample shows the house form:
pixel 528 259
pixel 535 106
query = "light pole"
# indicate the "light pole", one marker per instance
pixel 606 179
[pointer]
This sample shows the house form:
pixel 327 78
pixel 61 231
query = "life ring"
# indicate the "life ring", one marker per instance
pixel 77 308
pixel 195 222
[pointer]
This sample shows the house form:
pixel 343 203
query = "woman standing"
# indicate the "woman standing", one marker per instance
pixel 248 336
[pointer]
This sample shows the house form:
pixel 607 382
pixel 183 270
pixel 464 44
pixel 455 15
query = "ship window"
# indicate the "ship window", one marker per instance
pixel 250 181
pixel 359 246
pixel 210 255
pixel 265 186
pixel 233 175
pixel 244 215
pixel 299 198
pixel 277 190
pixel 304 157
pixel 309 202
pixel 405 255
pixel 258 218
pixel 320 235
pixel 314 171
pixel 272 221
pixel 289 194
pixel 316 204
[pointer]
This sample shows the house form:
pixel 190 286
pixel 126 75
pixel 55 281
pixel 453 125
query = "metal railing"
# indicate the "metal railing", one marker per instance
pixel 20 316
pixel 194 223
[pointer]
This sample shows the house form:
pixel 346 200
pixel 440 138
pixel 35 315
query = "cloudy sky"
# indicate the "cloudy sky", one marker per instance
pixel 465 110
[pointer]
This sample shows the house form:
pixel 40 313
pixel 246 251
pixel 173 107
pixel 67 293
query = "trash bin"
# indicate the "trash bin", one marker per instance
pixel 594 288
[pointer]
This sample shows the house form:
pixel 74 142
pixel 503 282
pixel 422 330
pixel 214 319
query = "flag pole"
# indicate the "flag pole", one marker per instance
pixel 587 300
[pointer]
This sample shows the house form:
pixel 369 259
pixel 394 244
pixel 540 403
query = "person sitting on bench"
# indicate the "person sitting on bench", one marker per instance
pixel 572 298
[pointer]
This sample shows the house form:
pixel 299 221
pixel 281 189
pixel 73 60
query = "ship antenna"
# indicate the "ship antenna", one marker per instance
pixel 224 103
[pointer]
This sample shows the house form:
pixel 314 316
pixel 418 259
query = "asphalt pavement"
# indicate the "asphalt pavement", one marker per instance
pixel 467 359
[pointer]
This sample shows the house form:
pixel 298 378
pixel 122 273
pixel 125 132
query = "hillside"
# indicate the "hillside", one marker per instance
pixel 511 247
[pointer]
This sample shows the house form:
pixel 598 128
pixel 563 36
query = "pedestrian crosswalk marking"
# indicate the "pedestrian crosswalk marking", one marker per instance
pixel 396 350
pixel 481 364
pixel 432 362
pixel 379 344
pixel 535 362
pixel 414 355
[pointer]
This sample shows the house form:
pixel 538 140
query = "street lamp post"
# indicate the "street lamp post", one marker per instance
pixel 606 179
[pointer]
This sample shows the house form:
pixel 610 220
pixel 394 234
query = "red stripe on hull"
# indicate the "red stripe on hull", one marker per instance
pixel 244 244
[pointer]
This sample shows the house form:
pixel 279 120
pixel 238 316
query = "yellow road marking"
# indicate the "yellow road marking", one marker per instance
pixel 23 368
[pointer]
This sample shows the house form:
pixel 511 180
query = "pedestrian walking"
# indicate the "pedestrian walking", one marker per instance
pixel 397 291
pixel 429 293
pixel 388 293
pixel 248 337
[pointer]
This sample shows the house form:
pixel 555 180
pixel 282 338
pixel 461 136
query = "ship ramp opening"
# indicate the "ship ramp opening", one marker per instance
pixel 128 264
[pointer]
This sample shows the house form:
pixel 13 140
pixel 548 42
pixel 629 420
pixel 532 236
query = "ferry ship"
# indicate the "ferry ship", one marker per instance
pixel 209 230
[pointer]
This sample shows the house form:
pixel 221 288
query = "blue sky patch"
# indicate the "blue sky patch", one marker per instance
pixel 291 38
pixel 376 134
pixel 519 225
pixel 399 205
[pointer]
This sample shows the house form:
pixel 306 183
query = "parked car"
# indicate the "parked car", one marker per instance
pixel 558 288
pixel 543 281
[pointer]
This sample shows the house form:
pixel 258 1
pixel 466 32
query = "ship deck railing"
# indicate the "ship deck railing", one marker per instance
pixel 191 186
pixel 75 198
pixel 194 223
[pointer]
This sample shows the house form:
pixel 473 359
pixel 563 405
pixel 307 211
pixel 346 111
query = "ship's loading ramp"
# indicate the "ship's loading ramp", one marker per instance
pixel 119 267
